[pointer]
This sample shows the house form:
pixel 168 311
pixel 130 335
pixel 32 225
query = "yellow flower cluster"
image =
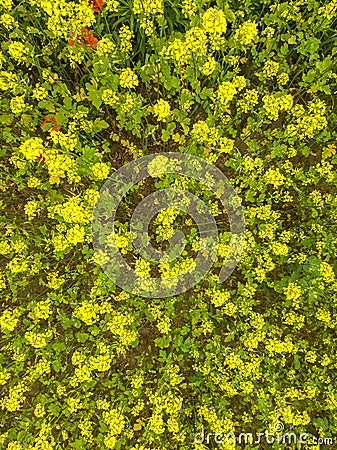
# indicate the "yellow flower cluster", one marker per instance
pixel 214 21
pixel 8 80
pixel 274 177
pixel 308 124
pixel 148 7
pixel 42 310
pixel 327 272
pixel 8 21
pixel 109 97
pixel 17 265
pixel 88 312
pixel 32 148
pixel 4 376
pixel 209 66
pixel 176 50
pixel 40 93
pixel 249 101
pixel 164 222
pixel 274 104
pixel 329 10
pixel 162 109
pixel 15 398
pixel 187 265
pixel 189 8
pixel 105 46
pixel 115 421
pixel 18 51
pixel 205 134
pixel 164 325
pixel 66 17
pixel 55 281
pixel 119 325
pixel 142 267
pixel 196 41
pixel 9 320
pixel 38 340
pixel 75 235
pixel 278 346
pixel 125 36
pixel 100 170
pixel 72 211
pixel 128 79
pixel 59 166
pixel 147 25
pixel 17 104
pixel 111 5
pixel 102 363
pixel 219 298
pixel 157 166
pixel 7 4
pixel 247 33
pixel 226 92
pixel 270 69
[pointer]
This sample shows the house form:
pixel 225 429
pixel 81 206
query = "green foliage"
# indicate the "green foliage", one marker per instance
pixel 248 86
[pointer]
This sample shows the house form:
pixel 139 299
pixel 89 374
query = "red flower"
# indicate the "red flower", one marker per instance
pixel 88 38
pixel 96 5
pixel 40 158
pixel 49 120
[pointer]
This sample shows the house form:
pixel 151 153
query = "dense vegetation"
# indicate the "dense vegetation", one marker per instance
pixel 248 86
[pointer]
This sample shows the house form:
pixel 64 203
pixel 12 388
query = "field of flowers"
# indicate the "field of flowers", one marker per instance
pixel 87 87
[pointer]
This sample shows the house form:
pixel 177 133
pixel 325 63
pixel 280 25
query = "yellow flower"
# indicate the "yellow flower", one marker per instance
pixel 142 267
pixel 125 36
pixel 38 340
pixel 17 104
pixel 274 177
pixel 209 66
pixel 270 69
pixel 39 410
pixel 42 309
pixel 31 208
pixel 17 51
pixel 8 80
pixel 189 8
pixel 7 4
pixel 246 33
pixel 32 148
pixel 100 170
pixel 164 325
pixel 9 319
pixel 111 5
pixel 76 235
pixel 148 7
pixel 214 21
pixel 88 312
pixel 162 109
pixel 8 21
pixel 157 166
pixel 105 46
pixel 226 92
pixel 4 376
pixel 115 421
pixel 327 272
pixel 128 79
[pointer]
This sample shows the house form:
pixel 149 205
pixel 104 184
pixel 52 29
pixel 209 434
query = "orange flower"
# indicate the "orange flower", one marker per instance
pixel 40 158
pixel 48 120
pixel 96 5
pixel 87 38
